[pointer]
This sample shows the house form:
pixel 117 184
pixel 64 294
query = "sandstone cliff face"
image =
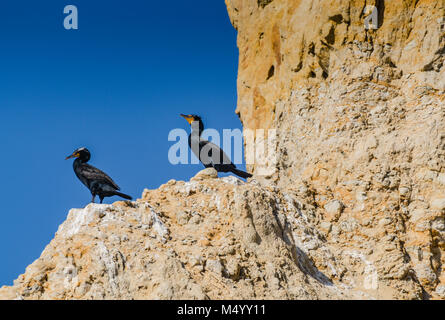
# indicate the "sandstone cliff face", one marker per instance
pixel 360 120
pixel 355 208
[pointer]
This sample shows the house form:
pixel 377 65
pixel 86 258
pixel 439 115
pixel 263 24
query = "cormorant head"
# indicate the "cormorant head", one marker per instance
pixel 81 153
pixel 191 118
pixel 195 121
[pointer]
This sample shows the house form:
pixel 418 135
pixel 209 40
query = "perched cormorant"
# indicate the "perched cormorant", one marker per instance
pixel 209 153
pixel 99 183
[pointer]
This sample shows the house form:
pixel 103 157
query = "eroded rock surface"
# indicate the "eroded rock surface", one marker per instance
pixel 360 120
pixel 206 239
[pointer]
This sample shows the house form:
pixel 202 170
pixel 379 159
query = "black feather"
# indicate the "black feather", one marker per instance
pixel 209 153
pixel 97 181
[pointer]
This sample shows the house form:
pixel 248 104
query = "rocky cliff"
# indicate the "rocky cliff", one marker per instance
pixel 355 205
pixel 360 120
pixel 207 238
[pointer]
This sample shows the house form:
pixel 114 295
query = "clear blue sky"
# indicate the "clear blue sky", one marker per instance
pixel 116 86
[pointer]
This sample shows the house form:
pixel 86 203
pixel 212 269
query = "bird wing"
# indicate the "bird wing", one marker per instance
pixel 213 153
pixel 92 173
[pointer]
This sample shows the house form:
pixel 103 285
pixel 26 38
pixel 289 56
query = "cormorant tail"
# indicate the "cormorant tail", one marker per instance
pixel 123 195
pixel 241 174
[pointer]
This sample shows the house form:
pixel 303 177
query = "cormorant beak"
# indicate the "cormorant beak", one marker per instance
pixel 189 118
pixel 72 156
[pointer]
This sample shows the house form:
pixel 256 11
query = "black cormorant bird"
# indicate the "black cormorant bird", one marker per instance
pixel 209 153
pixel 99 183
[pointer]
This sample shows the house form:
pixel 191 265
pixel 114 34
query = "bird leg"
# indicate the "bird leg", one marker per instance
pixel 101 199
pixel 94 197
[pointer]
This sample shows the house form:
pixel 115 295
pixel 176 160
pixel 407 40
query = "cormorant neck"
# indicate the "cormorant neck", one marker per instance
pixel 80 161
pixel 197 127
